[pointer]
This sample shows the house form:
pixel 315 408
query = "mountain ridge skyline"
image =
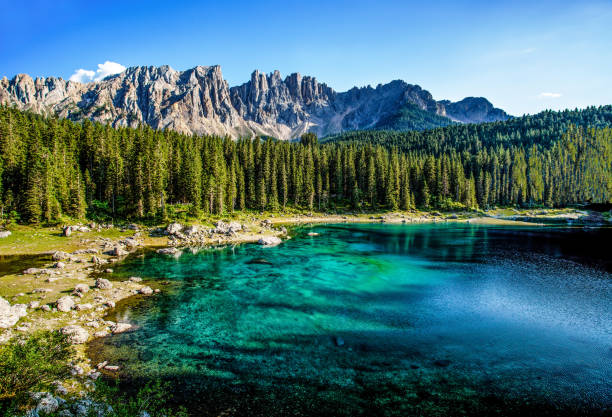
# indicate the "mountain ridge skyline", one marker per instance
pixel 200 100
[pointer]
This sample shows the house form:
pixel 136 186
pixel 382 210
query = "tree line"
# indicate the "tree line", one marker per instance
pixel 50 168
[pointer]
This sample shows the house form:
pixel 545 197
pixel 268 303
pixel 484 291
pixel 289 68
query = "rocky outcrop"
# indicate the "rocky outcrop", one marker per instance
pixel 200 101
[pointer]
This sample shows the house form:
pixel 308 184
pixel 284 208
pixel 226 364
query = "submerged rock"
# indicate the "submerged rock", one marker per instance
pixel 168 251
pixel 442 363
pixel 338 341
pixel 259 261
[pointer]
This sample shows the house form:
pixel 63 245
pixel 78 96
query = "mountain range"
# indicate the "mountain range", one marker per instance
pixel 199 100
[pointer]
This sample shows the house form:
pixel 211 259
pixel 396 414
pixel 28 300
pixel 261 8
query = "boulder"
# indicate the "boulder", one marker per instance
pixel 130 242
pixel 67 231
pixel 269 241
pixel 60 256
pixel 103 284
pixel 146 291
pixel 118 251
pixel 98 261
pixel 33 271
pixel 191 230
pixel 65 303
pixel 135 279
pixel 59 265
pixel 132 226
pixel 10 315
pixel 120 328
pixel 81 288
pixel 4 233
pixel 81 307
pixel 76 334
pixel 33 304
pixel 174 228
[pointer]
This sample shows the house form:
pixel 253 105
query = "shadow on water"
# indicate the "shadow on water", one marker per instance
pixel 14 264
pixel 369 320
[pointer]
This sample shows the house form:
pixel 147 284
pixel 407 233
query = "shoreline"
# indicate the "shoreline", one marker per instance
pixel 82 259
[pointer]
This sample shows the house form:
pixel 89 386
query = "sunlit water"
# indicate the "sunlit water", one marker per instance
pixel 378 320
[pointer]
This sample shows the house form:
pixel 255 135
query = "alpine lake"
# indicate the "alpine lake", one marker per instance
pixel 377 320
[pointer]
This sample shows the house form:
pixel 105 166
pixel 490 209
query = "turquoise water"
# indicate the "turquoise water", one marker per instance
pixel 378 320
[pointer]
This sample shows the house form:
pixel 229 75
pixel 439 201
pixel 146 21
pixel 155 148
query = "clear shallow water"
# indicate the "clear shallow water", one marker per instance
pixel 378 320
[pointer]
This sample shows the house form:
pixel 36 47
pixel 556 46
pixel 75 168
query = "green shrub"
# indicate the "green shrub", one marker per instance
pixel 31 364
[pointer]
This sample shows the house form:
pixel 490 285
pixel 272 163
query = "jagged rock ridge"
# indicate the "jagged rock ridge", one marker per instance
pixel 200 101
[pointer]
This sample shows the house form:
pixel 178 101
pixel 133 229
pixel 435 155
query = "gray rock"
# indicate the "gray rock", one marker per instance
pixel 10 315
pixel 33 304
pixel 47 403
pixel 65 303
pixel 118 251
pixel 4 233
pixel 103 284
pixel 76 334
pixel 81 307
pixel 81 288
pixel 60 256
pixel 146 291
pixel 120 328
pixel 174 228
pixel 269 241
pixel 168 251
pixel 135 279
pixel 59 265
pixel 191 230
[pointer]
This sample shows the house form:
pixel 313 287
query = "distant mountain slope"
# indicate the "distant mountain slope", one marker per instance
pixel 200 101
pixel 541 129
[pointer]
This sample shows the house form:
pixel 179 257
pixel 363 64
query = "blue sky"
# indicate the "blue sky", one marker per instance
pixel 524 56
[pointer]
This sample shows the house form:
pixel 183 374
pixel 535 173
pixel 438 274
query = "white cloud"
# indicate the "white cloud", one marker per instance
pixel 104 70
pixel 82 76
pixel 549 95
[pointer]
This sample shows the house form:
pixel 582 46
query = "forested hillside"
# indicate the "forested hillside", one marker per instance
pixel 54 167
pixel 542 129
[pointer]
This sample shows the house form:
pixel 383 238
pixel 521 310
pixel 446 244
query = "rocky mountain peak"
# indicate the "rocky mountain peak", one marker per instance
pixel 199 100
